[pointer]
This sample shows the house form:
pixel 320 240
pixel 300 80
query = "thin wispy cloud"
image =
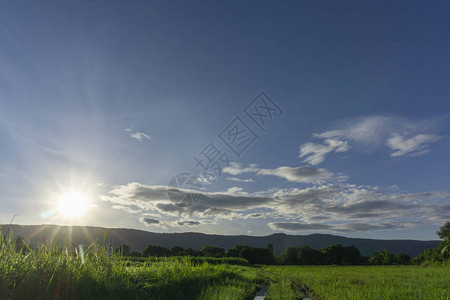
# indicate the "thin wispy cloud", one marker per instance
pixel 304 174
pixel 417 145
pixel 174 223
pixel 314 153
pixel 239 179
pixel 370 134
pixel 140 136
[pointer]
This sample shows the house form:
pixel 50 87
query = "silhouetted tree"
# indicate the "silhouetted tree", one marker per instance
pixel 309 256
pixel 382 257
pixel 351 256
pixel 176 251
pixel 155 250
pixel 19 244
pixel 333 254
pixel 234 251
pixel 136 254
pixel 289 257
pixel 189 252
pixel 213 251
pixel 123 250
pixel 402 259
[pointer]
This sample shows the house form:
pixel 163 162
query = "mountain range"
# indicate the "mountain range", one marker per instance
pixel 138 240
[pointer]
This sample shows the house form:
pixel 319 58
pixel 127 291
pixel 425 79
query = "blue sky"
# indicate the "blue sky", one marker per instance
pixel 112 99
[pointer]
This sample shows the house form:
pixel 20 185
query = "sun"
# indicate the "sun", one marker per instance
pixel 73 204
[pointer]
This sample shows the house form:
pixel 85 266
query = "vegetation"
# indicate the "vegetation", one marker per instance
pixel 358 282
pixel 50 272
pixel 47 272
pixel 194 260
pixel 334 254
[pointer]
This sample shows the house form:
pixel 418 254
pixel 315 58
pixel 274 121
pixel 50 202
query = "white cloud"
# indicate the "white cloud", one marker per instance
pixel 314 153
pixel 140 136
pixel 237 169
pixel 416 145
pixel 321 208
pixel 294 174
pixel 239 180
pixel 369 134
pixel 298 174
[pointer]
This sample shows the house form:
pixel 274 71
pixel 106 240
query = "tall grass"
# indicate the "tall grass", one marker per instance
pixel 49 272
pixel 195 260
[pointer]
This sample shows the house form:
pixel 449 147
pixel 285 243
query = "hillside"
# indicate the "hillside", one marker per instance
pixel 138 239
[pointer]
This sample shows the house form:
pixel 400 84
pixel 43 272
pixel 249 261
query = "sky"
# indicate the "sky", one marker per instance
pixel 239 117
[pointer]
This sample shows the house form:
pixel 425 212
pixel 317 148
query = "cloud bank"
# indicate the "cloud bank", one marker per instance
pixel 332 207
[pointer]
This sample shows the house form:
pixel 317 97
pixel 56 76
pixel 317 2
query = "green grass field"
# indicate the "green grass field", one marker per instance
pixel 47 273
pixel 358 282
pixel 51 273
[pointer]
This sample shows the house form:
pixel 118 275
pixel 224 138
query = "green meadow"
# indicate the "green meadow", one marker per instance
pixel 92 273
pixel 358 282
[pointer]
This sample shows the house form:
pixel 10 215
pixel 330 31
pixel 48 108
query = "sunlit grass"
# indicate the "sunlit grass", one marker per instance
pixel 50 272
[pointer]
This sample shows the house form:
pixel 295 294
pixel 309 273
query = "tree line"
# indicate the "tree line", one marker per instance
pixel 329 255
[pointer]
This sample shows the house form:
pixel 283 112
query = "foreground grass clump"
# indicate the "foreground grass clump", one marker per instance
pixel 359 282
pixel 51 273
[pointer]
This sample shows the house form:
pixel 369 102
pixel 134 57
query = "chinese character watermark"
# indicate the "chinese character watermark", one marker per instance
pixel 237 136
pixel 184 189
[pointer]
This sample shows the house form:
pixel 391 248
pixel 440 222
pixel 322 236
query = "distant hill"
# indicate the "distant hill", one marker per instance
pixel 139 239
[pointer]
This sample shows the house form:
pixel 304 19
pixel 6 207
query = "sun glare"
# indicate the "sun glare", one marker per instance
pixel 73 204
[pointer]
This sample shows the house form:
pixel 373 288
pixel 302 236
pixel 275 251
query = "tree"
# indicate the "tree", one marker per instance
pixel 123 250
pixel 253 255
pixel 382 257
pixel 234 251
pixel 309 256
pixel 403 259
pixel 444 249
pixel 155 250
pixel 136 254
pixel 351 256
pixel 333 254
pixel 189 252
pixel 444 245
pixel 213 251
pixel 19 244
pixel 290 255
pixel 176 251
pixel 444 232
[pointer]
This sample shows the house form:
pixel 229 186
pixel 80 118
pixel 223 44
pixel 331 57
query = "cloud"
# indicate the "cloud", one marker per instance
pixel 154 198
pixel 167 223
pixel 237 169
pixel 298 174
pixel 370 134
pixel 239 180
pixel 416 145
pixel 149 221
pixel 331 207
pixel 140 136
pixel 126 209
pixel 188 223
pixel 314 153
pixel 348 227
pixel 294 174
